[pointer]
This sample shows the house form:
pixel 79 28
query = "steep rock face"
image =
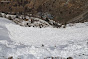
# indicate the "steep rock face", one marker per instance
pixel 62 10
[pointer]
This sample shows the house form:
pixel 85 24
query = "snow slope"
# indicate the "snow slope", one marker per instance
pixel 39 43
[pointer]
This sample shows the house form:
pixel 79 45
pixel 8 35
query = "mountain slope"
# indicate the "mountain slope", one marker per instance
pixel 61 10
pixel 40 43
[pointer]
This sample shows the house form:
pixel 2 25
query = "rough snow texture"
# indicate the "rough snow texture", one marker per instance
pixel 39 43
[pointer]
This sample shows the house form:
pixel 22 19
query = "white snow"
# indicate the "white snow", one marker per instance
pixel 39 43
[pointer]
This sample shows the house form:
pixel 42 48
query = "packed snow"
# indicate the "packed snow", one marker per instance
pixel 39 43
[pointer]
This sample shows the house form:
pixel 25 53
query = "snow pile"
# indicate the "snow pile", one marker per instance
pixel 71 40
pixel 39 43
pixel 47 36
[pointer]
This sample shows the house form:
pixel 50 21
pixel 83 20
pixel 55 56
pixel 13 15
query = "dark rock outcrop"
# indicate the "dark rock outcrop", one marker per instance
pixel 62 10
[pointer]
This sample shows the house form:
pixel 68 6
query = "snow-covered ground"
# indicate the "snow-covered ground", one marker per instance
pixel 39 43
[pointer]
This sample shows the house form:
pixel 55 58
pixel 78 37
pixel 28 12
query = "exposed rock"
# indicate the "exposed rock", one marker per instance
pixel 69 58
pixel 62 10
pixel 10 57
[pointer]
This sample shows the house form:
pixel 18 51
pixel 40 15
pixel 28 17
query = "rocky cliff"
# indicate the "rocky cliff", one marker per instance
pixel 61 10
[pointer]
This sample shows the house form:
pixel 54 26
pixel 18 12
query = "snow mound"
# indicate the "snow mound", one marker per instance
pixel 39 43
pixel 49 36
pixel 71 40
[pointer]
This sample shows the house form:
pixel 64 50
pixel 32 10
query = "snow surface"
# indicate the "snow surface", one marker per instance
pixel 39 43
